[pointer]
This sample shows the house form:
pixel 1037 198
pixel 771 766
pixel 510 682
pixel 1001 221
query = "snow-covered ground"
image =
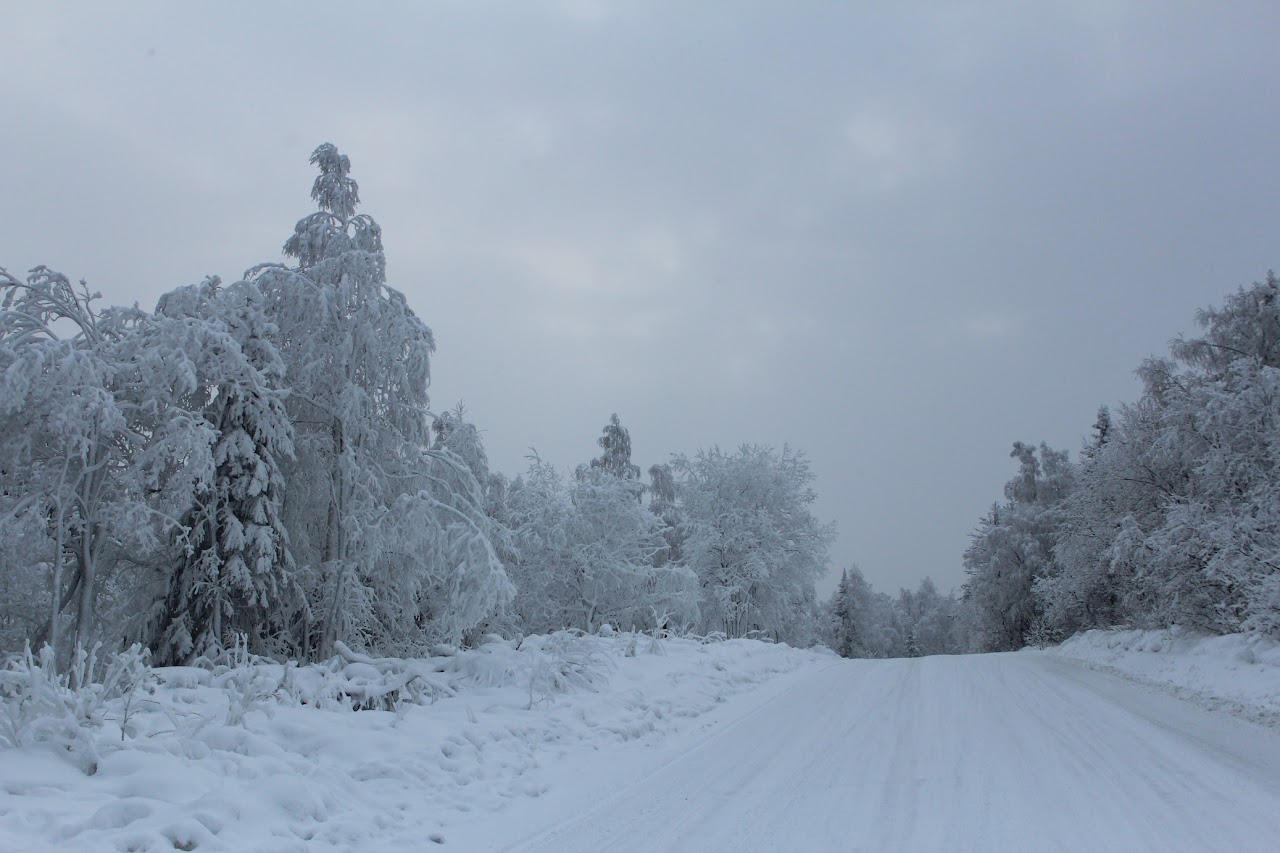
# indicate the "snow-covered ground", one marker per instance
pixel 230 760
pixel 627 743
pixel 1239 673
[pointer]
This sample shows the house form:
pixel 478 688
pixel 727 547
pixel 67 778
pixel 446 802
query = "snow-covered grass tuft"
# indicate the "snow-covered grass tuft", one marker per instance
pixel 39 704
pixel 1239 673
pixel 356 752
pixel 565 662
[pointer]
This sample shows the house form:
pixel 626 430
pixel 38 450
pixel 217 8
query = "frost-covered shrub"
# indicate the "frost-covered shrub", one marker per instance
pixel 1042 634
pixel 384 684
pixel 42 705
pixel 349 681
pixel 563 662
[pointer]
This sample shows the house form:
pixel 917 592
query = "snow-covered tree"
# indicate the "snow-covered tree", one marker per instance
pixel 65 439
pixel 1176 517
pixel 842 625
pixel 870 624
pixel 235 573
pixel 616 456
pixel 586 551
pixel 751 538
pixel 926 618
pixel 113 428
pixel 1013 546
pixel 663 503
pixel 538 512
pixel 1172 515
pixel 614 544
pixel 393 552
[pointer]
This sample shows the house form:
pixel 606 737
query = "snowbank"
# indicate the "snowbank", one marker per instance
pixel 1239 673
pixel 268 757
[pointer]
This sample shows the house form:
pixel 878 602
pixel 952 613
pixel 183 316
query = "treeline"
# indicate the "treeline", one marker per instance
pixel 863 623
pixel 258 463
pixel 1171 513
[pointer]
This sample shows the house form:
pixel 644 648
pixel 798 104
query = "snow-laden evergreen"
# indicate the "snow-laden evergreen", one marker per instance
pixel 236 573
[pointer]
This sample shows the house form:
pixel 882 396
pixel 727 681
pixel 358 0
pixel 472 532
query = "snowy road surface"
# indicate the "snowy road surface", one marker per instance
pixel 985 752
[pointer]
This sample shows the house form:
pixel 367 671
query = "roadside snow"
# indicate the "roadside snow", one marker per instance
pixel 271 758
pixel 1239 673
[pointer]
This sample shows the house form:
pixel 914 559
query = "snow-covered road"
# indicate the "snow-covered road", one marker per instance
pixel 1019 751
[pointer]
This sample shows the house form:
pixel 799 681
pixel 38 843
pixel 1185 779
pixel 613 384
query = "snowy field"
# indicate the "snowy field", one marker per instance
pixel 1239 673
pixel 232 759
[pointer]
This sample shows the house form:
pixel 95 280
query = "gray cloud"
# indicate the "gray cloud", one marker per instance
pixel 897 236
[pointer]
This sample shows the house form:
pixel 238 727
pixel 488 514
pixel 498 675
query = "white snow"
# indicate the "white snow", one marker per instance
pixel 229 760
pixel 1239 673
pixel 628 743
pixel 1009 752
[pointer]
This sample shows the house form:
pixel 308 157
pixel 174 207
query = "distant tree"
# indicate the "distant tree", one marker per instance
pixel 751 538
pixel 870 624
pixel 585 554
pixel 1175 520
pixel 1013 547
pixel 843 627
pixel 616 458
pixel 664 504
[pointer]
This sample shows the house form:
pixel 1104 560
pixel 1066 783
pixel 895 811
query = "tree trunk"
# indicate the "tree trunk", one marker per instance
pixel 55 598
pixel 88 570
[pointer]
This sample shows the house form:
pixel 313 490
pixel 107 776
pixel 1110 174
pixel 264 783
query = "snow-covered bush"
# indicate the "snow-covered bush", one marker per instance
pixel 1042 634
pixel 563 662
pixel 42 705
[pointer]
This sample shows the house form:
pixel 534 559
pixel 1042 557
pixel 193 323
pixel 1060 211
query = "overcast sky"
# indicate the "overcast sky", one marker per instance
pixel 897 235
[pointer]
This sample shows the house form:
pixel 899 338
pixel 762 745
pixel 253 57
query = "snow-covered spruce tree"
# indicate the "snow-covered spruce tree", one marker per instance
pixel 235 572
pixel 751 538
pixel 843 632
pixel 393 554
